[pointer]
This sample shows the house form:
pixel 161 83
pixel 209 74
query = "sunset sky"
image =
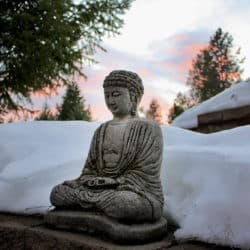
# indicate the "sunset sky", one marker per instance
pixel 158 41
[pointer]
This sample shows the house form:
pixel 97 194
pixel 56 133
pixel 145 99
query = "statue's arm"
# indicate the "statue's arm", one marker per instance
pixel 147 161
pixel 89 170
pixel 84 177
pixel 90 176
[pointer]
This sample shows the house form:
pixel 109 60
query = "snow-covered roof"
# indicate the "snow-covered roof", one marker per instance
pixel 234 97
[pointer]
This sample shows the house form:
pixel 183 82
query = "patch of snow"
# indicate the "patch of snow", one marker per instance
pixel 234 97
pixel 206 181
pixel 34 156
pixel 205 177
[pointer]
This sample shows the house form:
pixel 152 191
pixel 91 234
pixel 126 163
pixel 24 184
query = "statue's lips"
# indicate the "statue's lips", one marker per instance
pixel 113 107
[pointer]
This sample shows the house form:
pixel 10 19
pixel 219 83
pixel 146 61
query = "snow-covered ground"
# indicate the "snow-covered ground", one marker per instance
pixel 206 178
pixel 236 96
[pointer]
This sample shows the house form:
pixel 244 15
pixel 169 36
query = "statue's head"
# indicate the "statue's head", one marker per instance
pixel 123 91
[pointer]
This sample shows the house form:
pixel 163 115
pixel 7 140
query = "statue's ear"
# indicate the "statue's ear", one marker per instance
pixel 138 100
pixel 133 98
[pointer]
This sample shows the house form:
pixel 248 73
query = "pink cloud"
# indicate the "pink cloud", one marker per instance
pixel 45 92
pixel 145 73
pixel 178 38
pixel 100 112
pixel 185 54
pixel 193 48
pixel 170 59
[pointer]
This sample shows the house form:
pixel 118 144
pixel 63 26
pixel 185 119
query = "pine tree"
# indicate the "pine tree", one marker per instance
pixel 46 114
pixel 154 111
pixel 215 68
pixel 43 42
pixel 181 103
pixel 73 106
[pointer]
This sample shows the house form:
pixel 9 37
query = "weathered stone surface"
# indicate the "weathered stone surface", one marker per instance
pixel 121 176
pixel 41 238
pixel 12 230
pixel 34 235
pixel 103 225
pixel 44 238
pixel 12 236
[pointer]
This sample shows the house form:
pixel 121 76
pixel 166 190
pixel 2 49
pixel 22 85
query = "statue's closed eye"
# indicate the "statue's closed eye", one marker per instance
pixel 115 94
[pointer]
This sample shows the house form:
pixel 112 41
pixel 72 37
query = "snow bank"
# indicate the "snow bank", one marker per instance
pixel 206 178
pixel 34 156
pixel 206 181
pixel 234 97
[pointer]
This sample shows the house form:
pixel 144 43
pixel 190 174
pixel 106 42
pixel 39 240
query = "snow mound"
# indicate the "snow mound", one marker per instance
pixel 206 181
pixel 34 156
pixel 234 97
pixel 206 177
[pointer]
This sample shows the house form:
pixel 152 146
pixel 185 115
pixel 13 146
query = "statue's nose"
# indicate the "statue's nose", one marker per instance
pixel 111 101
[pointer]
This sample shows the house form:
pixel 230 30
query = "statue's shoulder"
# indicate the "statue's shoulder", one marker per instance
pixel 100 127
pixel 146 122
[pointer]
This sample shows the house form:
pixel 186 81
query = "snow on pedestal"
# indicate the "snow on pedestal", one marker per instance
pixel 206 178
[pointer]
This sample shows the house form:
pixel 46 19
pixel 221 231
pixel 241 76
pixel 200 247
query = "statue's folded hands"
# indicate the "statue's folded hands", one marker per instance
pixel 71 183
pixel 100 182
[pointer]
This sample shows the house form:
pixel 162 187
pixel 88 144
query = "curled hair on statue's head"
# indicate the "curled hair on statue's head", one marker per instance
pixel 129 80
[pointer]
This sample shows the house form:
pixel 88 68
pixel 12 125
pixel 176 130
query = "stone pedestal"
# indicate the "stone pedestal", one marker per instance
pixel 95 223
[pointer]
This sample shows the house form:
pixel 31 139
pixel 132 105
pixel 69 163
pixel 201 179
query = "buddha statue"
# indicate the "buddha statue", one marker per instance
pixel 121 176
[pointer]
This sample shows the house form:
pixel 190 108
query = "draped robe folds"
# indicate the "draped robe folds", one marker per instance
pixel 138 169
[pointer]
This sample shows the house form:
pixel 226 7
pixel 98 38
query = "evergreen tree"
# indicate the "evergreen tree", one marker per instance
pixel 181 103
pixel 46 114
pixel 73 107
pixel 154 111
pixel 44 41
pixel 215 68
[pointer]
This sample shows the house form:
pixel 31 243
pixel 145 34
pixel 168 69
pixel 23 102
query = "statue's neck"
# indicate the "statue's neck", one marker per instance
pixel 122 118
pixel 118 122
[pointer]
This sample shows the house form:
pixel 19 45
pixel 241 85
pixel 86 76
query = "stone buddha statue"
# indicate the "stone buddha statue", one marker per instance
pixel 121 176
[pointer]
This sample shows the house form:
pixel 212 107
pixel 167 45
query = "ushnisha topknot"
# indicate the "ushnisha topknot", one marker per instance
pixel 125 79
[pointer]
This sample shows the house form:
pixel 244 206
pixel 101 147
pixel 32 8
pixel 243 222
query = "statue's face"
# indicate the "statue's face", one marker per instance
pixel 118 101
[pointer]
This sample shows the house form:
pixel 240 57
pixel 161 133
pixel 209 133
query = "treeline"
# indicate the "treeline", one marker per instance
pixel 72 108
pixel 43 43
pixel 214 69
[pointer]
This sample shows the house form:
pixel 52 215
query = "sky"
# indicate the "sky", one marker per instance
pixel 158 41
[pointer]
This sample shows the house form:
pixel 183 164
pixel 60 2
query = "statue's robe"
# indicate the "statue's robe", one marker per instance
pixel 137 174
